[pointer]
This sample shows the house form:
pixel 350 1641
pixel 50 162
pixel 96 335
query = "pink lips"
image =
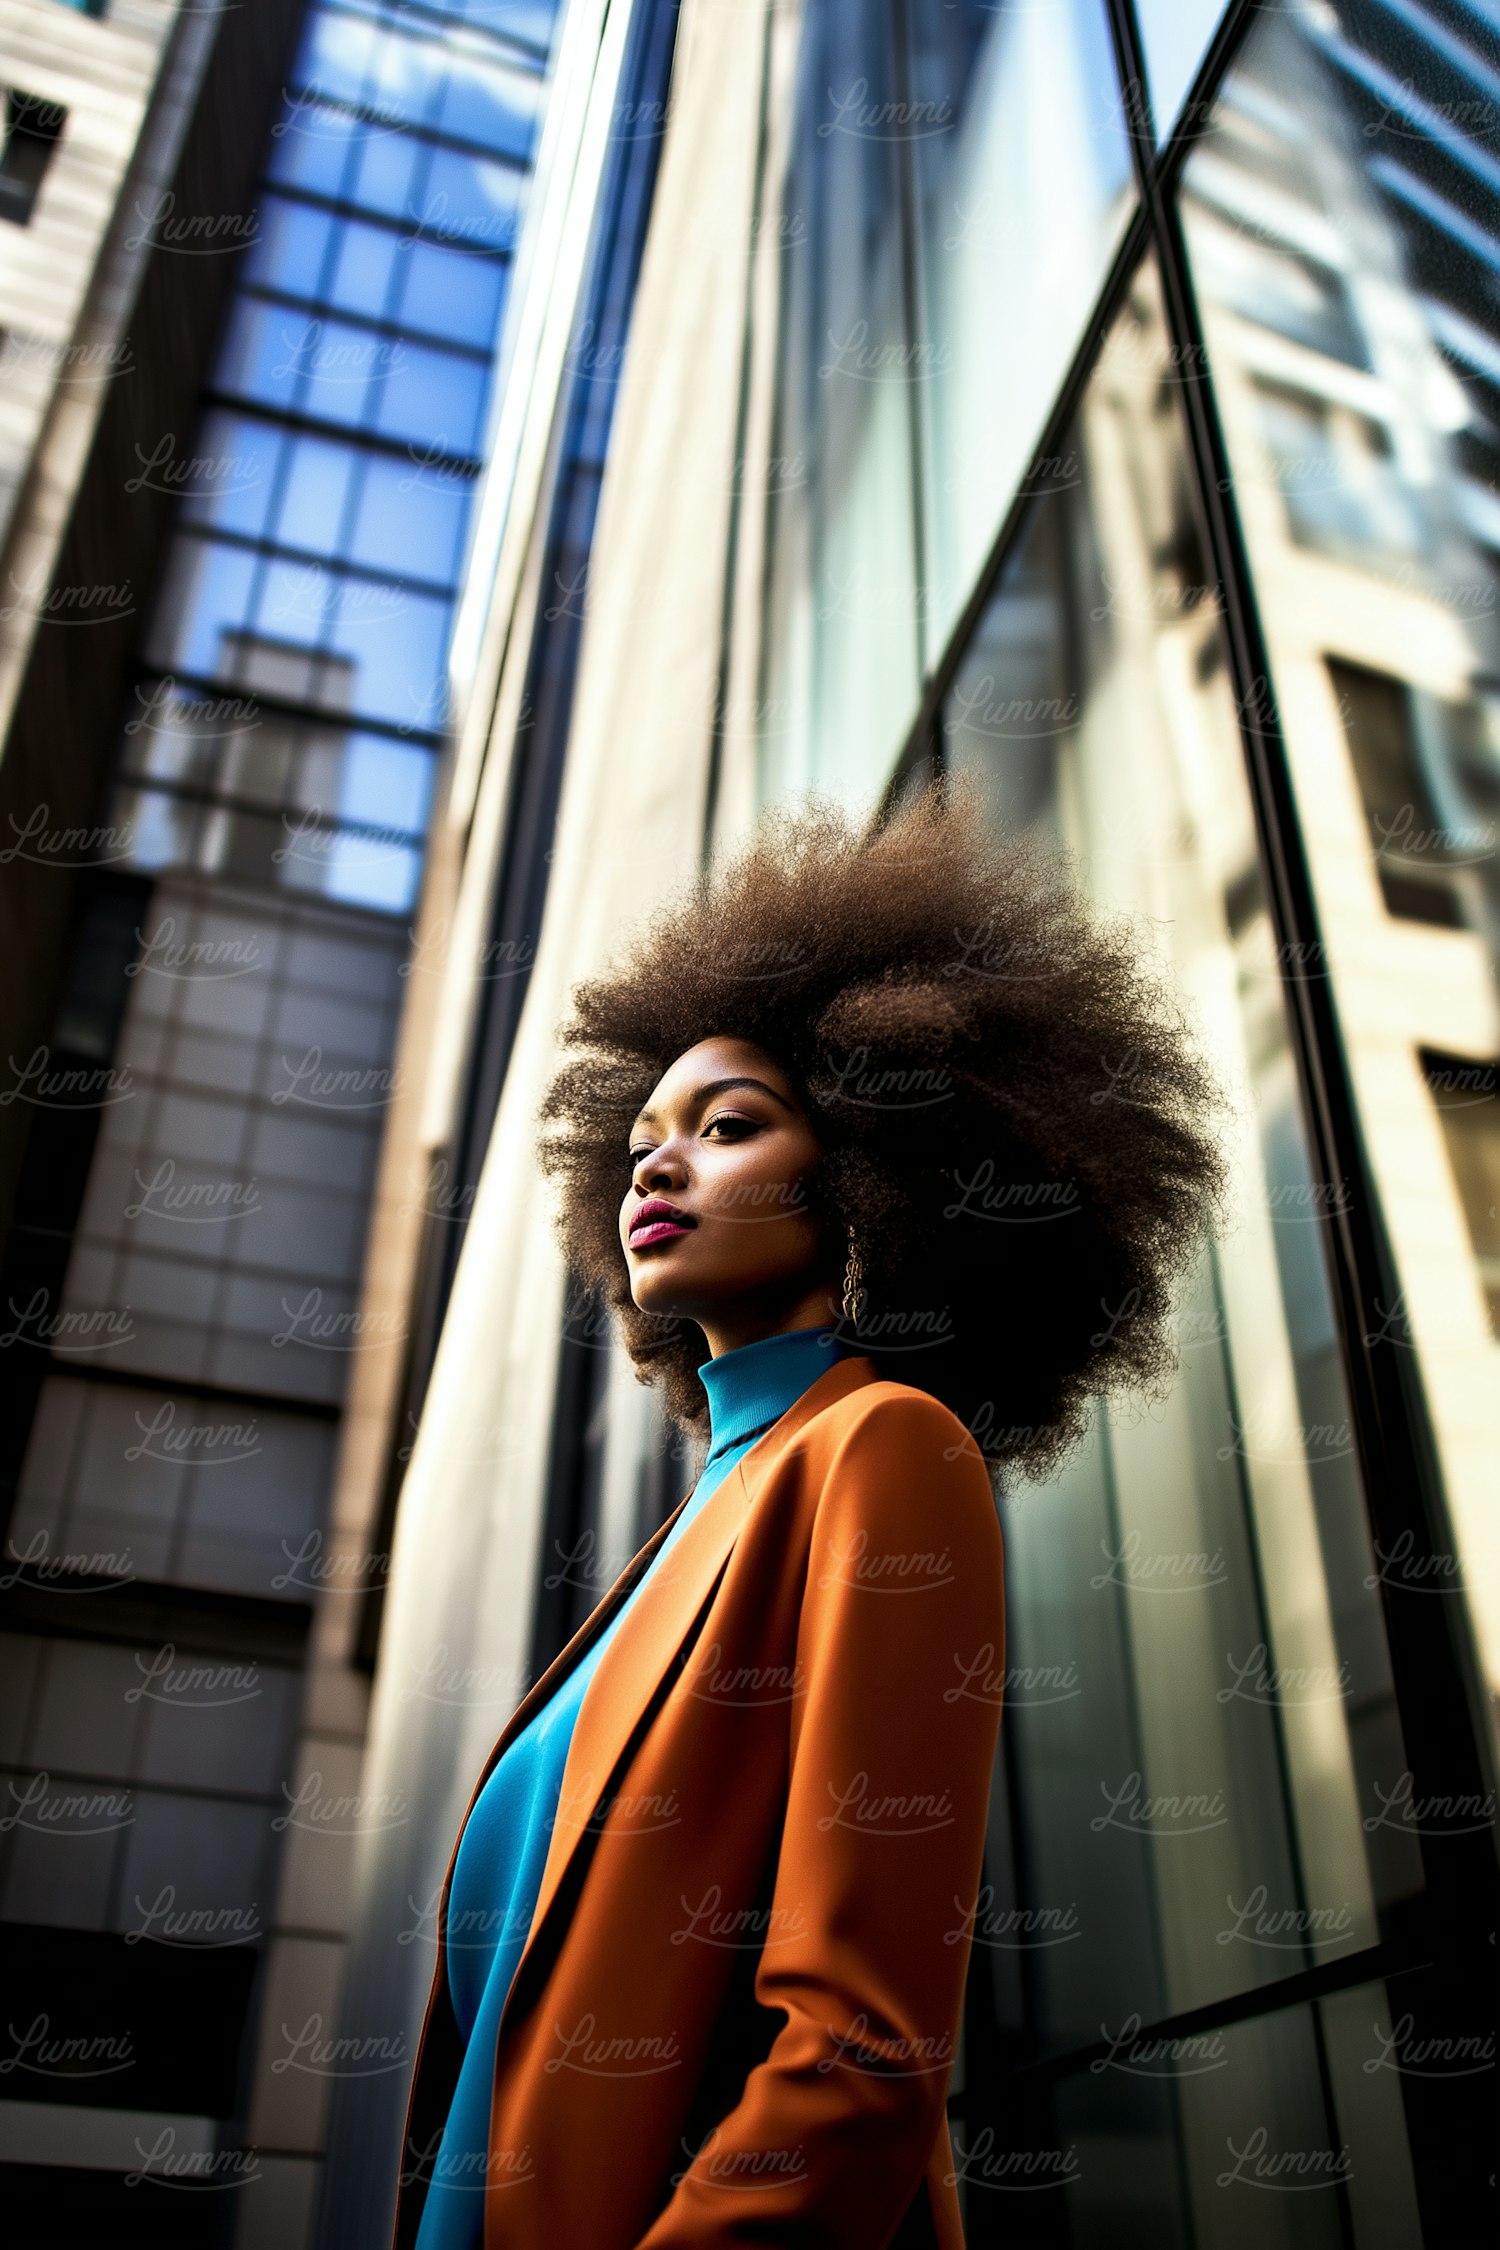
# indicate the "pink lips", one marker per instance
pixel 657 1221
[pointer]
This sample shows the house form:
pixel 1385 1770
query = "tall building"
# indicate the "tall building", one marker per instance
pixel 1098 400
pixel 1095 397
pixel 261 271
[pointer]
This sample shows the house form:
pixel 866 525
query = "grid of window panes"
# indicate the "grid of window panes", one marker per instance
pixel 983 501
pixel 293 689
pixel 240 979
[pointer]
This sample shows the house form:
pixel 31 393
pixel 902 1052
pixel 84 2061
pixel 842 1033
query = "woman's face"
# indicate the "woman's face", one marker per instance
pixel 715 1226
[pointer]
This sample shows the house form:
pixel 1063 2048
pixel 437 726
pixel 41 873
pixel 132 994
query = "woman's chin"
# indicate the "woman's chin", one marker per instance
pixel 655 1295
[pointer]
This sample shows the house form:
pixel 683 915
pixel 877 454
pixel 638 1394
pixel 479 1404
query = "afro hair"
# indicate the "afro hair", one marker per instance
pixel 1016 1127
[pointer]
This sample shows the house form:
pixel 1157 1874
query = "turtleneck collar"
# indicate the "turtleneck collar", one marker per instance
pixel 752 1387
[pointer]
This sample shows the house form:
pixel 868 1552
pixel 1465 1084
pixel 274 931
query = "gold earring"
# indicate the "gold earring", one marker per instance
pixel 854 1283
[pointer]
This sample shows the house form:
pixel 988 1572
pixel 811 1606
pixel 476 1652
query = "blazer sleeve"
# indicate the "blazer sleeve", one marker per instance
pixel 880 1856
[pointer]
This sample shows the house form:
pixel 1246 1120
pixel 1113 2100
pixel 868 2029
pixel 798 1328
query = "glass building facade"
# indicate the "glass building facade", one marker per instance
pixel 184 1273
pixel 1168 448
pixel 1223 626
pixel 1118 402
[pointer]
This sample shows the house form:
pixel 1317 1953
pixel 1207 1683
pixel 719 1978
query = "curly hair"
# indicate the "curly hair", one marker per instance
pixel 1015 1125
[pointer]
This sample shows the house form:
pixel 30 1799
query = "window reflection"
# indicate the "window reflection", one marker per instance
pixel 1200 1715
pixel 911 259
pixel 367 260
pixel 1365 459
pixel 314 494
pixel 844 600
pixel 288 251
pixel 1283 2133
pixel 1027 120
pixel 312 574
pixel 1174 37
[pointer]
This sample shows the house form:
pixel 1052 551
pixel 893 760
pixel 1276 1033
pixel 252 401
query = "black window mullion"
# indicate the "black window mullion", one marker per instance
pixel 337 562
pixel 1389 1961
pixel 378 324
pixel 364 214
pixel 288 707
pixel 414 128
pixel 308 425
pixel 508 44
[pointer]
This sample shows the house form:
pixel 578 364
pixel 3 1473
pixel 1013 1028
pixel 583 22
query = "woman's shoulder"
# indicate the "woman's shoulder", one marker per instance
pixel 882 1413
pixel 884 1457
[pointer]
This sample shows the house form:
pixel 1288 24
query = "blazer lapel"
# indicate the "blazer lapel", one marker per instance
pixel 547 1683
pixel 636 1661
pixel 536 1695
pixel 629 1673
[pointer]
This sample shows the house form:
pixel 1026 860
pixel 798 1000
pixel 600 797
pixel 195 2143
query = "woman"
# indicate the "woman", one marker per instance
pixel 884 1151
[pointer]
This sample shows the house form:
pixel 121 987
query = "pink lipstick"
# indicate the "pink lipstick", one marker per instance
pixel 658 1221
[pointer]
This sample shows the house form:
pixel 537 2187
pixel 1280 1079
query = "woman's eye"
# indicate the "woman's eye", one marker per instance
pixel 737 1127
pixel 636 1154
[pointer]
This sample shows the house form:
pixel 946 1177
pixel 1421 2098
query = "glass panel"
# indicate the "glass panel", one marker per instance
pixel 382 875
pixel 263 351
pixel 432 396
pixel 1283 2133
pixel 411 518
pixel 289 250
pixel 390 163
pixel 340 368
pixel 408 79
pixel 470 201
pixel 1017 113
pixel 1175 35
pixel 453 293
pixel 230 479
pixel 395 643
pixel 315 494
pixel 206 595
pixel 1199 1712
pixel 362 272
pixel 296 599
pixel 843 625
pixel 335 56
pixel 385 784
pixel 216 1856
pixel 310 146
pixel 489 103
pixel 1343 220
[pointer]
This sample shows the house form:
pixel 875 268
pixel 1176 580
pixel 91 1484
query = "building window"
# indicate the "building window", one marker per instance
pixel 1409 842
pixel 1334 470
pixel 1463 1092
pixel 33 128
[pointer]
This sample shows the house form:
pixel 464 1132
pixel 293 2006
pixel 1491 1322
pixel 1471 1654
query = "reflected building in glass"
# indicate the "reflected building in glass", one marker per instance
pixel 1099 401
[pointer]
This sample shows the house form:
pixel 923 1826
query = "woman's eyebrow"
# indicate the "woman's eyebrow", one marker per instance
pixel 702 1094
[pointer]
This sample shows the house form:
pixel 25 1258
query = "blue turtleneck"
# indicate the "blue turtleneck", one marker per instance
pixel 498 1872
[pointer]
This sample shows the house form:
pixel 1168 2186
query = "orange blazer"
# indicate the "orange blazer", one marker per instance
pixel 734 2020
